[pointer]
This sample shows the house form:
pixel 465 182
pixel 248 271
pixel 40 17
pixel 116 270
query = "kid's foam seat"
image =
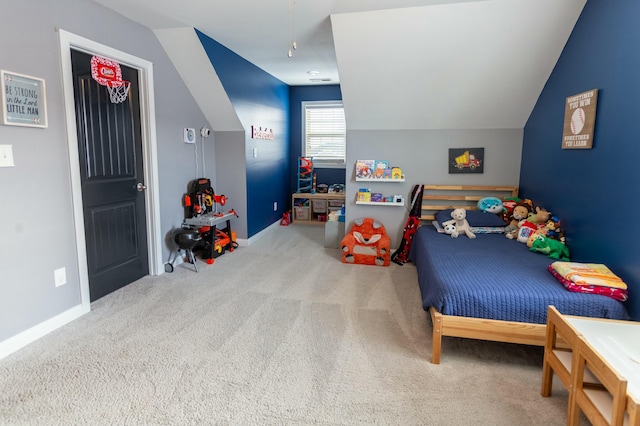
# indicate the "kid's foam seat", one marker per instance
pixel 366 243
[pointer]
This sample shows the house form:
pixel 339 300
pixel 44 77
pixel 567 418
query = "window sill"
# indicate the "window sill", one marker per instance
pixel 319 165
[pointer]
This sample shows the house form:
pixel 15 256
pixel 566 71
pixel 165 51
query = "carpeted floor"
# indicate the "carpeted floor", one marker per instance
pixel 278 333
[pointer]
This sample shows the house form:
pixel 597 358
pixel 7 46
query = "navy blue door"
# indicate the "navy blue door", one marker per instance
pixel 111 169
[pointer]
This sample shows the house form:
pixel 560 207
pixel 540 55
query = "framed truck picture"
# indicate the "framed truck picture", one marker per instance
pixel 466 160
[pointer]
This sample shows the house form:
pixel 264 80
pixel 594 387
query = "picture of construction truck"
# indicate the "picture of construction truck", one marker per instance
pixel 467 160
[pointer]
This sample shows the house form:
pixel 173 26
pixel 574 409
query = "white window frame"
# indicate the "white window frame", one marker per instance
pixel 316 161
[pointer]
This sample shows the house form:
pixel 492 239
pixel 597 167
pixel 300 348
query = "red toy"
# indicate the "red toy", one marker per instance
pixel 286 219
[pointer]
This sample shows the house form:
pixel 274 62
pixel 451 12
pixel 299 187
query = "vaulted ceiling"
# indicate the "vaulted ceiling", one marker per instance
pixel 401 64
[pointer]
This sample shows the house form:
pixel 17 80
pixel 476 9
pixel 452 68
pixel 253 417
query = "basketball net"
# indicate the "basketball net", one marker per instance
pixel 118 90
pixel 108 73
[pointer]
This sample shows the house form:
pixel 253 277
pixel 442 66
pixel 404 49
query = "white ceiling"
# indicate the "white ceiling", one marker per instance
pixel 447 63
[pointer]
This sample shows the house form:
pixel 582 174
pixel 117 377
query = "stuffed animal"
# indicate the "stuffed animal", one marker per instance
pixel 366 243
pixel 460 221
pixel 527 229
pixel 449 228
pixel 520 212
pixel 490 205
pixel 541 216
pixel 553 229
pixel 552 248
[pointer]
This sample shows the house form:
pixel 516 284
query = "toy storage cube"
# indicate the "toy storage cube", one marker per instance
pixel 302 213
pixel 319 206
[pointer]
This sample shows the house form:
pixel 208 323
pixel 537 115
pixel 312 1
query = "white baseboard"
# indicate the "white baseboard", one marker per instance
pixel 19 341
pixel 243 242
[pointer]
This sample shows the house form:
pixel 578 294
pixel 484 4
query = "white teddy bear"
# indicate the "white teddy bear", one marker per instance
pixel 460 222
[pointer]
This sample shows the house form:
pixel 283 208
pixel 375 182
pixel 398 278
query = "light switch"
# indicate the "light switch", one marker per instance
pixel 6 156
pixel 60 276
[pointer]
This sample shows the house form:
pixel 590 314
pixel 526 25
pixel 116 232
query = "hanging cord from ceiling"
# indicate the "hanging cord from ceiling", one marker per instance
pixel 292 27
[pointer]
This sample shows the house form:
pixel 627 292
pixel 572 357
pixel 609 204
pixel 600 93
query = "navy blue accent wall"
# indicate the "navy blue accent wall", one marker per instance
pixel 260 100
pixel 299 94
pixel 587 188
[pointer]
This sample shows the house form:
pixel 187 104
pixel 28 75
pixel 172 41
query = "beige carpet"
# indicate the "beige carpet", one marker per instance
pixel 278 333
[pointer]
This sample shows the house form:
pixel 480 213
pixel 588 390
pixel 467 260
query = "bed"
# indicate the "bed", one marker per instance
pixel 490 287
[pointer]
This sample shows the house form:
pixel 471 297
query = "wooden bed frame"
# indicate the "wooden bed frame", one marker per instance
pixel 441 197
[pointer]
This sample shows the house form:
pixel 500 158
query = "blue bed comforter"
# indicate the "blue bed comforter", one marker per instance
pixel 496 278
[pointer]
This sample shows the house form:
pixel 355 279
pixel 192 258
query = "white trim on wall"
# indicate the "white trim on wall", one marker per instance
pixel 19 341
pixel 149 151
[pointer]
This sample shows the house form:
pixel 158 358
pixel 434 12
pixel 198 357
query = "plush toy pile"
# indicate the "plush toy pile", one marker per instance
pixel 530 224
pixel 458 225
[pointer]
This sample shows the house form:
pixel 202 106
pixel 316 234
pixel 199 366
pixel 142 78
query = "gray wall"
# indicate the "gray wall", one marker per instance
pixel 423 156
pixel 36 220
pixel 232 176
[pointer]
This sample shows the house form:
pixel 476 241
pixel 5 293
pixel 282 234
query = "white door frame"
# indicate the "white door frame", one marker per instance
pixel 149 152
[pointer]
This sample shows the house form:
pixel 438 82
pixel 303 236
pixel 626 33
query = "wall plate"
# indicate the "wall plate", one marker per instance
pixel 6 156
pixel 189 135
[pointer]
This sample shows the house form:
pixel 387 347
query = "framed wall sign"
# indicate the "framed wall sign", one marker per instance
pixel 23 100
pixel 466 160
pixel 260 133
pixel 579 120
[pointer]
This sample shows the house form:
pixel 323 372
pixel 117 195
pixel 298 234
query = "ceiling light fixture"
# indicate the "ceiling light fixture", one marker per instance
pixel 292 27
pixel 313 72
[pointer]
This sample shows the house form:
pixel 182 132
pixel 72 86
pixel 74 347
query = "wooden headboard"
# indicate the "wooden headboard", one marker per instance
pixel 442 197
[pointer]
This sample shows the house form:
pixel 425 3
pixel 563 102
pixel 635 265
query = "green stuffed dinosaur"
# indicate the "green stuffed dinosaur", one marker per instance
pixel 552 248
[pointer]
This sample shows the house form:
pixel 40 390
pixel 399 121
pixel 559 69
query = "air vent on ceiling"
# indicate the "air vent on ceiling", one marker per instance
pixel 320 80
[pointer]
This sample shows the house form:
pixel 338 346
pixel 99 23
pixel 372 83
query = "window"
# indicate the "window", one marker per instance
pixel 325 131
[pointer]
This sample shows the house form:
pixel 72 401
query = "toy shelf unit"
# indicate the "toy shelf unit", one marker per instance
pixel 305 175
pixel 314 209
pixel 377 171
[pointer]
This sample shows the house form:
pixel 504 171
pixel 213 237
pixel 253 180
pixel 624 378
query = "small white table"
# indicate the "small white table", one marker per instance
pixel 618 342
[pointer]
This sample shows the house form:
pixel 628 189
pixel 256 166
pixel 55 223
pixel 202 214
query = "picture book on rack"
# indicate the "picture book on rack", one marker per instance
pixel 364 168
pixel 382 170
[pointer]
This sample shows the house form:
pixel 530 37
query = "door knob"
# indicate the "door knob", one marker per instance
pixel 140 187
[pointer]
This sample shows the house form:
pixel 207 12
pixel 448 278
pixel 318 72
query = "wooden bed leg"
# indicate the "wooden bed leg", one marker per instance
pixel 436 320
pixel 547 372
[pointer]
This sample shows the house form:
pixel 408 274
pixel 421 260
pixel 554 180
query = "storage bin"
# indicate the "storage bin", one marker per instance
pixel 302 213
pixel 336 203
pixel 319 206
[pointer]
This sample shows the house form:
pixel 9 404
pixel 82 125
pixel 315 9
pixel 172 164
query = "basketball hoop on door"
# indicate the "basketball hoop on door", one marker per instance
pixel 108 73
pixel 118 90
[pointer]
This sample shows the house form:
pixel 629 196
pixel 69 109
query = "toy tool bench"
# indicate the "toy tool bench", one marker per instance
pixel 214 235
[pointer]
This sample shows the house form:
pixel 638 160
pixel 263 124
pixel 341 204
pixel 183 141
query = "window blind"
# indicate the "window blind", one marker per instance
pixel 325 132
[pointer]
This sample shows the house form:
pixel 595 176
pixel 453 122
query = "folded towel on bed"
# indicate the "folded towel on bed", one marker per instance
pixel 613 292
pixel 589 274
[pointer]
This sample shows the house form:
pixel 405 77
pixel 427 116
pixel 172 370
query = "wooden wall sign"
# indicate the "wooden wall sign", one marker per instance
pixel 579 120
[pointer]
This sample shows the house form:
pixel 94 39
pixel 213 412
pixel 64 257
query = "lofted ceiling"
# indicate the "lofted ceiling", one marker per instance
pixel 401 64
